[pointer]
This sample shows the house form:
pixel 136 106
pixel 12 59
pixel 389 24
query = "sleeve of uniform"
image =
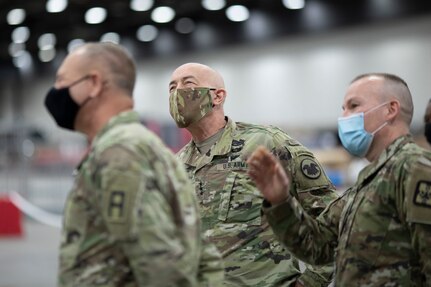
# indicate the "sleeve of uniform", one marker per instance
pixel 312 240
pixel 139 217
pixel 416 198
pixel 313 190
pixel 211 270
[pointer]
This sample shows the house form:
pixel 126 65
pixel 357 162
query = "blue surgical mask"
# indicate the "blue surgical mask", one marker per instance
pixel 351 130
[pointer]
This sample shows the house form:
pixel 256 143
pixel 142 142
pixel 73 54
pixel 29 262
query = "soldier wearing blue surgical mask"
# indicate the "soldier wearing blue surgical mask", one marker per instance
pixel 379 230
pixel 367 110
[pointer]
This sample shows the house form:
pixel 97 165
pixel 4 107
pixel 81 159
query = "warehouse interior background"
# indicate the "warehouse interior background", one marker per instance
pixel 285 63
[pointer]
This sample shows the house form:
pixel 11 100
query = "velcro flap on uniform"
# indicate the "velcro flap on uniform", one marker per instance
pixel 418 192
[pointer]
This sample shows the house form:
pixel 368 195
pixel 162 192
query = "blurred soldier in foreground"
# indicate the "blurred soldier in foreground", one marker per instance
pixel 380 228
pixel 131 218
pixel 427 119
pixel 230 202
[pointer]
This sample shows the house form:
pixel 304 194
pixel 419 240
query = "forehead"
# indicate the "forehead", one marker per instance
pixel 366 89
pixel 70 65
pixel 187 71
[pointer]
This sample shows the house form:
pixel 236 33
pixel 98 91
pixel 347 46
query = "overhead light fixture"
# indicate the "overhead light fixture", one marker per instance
pixel 237 13
pixel 56 6
pixel 95 15
pixel 259 26
pixel 204 36
pixel 141 5
pixel 46 41
pixel 147 33
pixel 74 44
pixel 213 5
pixel 15 16
pixel 23 60
pixel 110 37
pixel 20 34
pixel 47 55
pixel 294 4
pixel 163 14
pixel 185 25
pixel 16 48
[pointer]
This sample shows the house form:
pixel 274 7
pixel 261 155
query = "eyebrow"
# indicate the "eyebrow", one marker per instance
pixel 348 103
pixel 182 79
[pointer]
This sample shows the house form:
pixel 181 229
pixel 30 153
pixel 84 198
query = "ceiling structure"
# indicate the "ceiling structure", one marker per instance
pixel 201 29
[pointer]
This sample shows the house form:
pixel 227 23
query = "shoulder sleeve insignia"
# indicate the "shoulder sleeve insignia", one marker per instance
pixel 117 205
pixel 422 195
pixel 310 168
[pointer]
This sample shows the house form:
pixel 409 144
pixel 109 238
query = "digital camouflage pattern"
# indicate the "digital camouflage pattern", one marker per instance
pixel 132 217
pixel 380 228
pixel 231 204
pixel 189 105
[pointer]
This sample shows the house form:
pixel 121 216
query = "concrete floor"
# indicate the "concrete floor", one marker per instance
pixel 30 260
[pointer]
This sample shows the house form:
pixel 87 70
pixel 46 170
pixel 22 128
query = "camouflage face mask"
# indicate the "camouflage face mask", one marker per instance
pixel 189 105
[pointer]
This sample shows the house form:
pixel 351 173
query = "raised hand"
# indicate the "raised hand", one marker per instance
pixel 269 175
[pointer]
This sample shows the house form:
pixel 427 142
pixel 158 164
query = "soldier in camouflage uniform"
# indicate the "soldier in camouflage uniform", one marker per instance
pixel 230 203
pixel 427 119
pixel 132 217
pixel 380 229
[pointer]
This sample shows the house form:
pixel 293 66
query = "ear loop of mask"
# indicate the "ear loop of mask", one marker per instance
pixel 384 124
pixel 212 89
pixel 78 81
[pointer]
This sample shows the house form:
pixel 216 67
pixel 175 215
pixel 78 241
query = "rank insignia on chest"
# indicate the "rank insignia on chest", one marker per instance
pixel 237 146
pixel 423 194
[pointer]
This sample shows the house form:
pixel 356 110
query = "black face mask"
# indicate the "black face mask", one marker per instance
pixel 428 132
pixel 61 106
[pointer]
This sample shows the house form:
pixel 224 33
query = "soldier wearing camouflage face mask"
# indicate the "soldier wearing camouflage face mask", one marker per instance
pixel 230 202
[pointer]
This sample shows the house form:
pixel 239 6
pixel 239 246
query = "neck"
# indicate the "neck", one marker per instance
pixel 383 139
pixel 207 127
pixel 93 117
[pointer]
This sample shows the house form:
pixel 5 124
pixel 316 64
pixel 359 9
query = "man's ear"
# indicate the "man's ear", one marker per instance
pixel 393 111
pixel 96 80
pixel 219 96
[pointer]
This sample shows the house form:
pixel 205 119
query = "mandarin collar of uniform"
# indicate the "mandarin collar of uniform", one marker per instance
pixel 390 151
pixel 122 118
pixel 223 145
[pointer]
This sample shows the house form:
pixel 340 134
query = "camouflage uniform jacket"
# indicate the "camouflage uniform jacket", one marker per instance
pixel 380 228
pixel 132 218
pixel 231 204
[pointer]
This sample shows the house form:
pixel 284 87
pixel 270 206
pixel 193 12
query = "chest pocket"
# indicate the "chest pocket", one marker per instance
pixel 370 223
pixel 240 201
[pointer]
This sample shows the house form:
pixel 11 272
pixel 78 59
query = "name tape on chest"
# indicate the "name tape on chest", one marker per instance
pixel 234 165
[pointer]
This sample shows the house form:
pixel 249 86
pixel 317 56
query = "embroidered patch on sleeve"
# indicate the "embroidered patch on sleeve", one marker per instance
pixel 422 195
pixel 310 168
pixel 117 205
